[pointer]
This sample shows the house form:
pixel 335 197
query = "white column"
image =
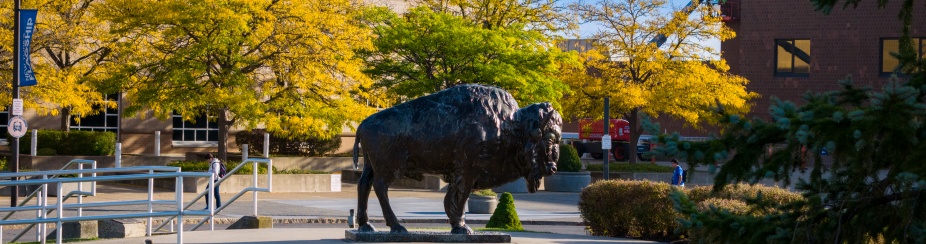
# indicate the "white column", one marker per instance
pixel 35 141
pixel 244 152
pixel 118 155
pixel 157 143
pixel 267 145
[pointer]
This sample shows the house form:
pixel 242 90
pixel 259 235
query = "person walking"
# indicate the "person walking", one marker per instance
pixel 678 174
pixel 214 166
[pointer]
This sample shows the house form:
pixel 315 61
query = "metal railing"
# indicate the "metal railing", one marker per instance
pixel 254 189
pixel 79 193
pixel 148 172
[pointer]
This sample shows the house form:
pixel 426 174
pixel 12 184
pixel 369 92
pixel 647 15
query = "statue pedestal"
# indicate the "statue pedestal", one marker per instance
pixel 427 236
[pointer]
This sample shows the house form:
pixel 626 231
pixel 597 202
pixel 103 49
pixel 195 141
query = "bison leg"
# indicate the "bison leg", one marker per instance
pixel 381 186
pixel 455 204
pixel 363 197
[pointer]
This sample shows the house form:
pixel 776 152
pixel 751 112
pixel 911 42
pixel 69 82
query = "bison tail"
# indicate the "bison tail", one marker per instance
pixel 356 151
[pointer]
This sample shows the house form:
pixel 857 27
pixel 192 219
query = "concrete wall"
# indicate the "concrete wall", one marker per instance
pixel 236 183
pixel 56 162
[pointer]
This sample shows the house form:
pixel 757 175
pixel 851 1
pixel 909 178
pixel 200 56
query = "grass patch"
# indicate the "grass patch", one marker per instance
pixel 626 167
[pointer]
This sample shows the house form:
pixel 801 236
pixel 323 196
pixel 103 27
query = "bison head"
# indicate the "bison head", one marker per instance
pixel 543 128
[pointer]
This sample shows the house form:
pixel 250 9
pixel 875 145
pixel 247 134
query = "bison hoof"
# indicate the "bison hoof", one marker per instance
pixel 366 228
pixel 398 229
pixel 462 230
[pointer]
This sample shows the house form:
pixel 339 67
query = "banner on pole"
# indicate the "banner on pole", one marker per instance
pixel 26 28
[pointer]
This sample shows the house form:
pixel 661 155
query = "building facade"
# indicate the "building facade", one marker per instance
pixel 785 48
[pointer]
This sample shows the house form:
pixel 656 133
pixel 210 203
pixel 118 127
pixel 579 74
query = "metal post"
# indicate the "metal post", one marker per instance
pixel 244 152
pixel 35 142
pixel 157 143
pixel 254 184
pixel 80 188
pixel 212 201
pixel 607 122
pixel 118 155
pixel 14 146
pixel 267 145
pixel 60 209
pixel 178 192
pixel 150 200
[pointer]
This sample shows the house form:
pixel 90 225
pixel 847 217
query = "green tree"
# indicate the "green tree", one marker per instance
pixel 548 16
pixel 289 66
pixel 869 187
pixel 69 52
pixel 426 51
pixel 642 77
pixel 505 215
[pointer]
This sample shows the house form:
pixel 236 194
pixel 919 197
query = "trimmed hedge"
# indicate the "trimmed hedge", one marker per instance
pixel 311 147
pixel 202 166
pixel 746 193
pixel 636 209
pixel 568 159
pixel 82 143
pixel 626 167
pixel 505 216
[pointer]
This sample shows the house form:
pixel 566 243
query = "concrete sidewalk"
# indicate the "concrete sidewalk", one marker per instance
pixel 297 215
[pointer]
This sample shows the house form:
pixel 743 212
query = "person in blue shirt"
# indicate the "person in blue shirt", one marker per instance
pixel 677 175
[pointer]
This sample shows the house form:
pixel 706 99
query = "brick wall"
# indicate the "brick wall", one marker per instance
pixel 846 42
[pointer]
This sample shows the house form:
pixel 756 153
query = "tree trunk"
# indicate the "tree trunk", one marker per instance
pixel 635 131
pixel 223 134
pixel 65 119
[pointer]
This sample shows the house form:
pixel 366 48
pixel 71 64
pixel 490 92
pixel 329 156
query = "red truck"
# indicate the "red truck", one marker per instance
pixel 590 132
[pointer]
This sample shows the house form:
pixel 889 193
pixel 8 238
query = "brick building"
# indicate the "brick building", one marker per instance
pixel 785 48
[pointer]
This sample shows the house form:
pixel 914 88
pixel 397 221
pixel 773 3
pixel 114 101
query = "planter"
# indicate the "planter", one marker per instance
pixel 481 204
pixel 567 181
pixel 518 186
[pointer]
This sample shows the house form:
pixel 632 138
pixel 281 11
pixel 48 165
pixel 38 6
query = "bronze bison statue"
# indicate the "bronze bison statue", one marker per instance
pixel 473 135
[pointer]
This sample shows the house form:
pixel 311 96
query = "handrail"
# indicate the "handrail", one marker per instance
pixel 79 193
pixel 59 206
pixel 253 189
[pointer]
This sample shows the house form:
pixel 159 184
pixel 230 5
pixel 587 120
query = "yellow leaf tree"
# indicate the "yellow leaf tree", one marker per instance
pixel 70 48
pixel 289 66
pixel 682 77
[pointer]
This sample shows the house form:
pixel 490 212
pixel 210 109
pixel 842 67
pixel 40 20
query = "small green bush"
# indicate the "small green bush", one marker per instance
pixel 311 147
pixel 485 193
pixel 568 159
pixel 626 167
pixel 83 143
pixel 636 209
pixel 505 215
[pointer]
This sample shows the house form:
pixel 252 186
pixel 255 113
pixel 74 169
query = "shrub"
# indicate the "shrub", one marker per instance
pixel 46 152
pixel 485 193
pixel 311 147
pixel 84 143
pixel 626 167
pixel 505 216
pixel 201 166
pixel 736 207
pixel 637 209
pixel 568 159
pixel 745 192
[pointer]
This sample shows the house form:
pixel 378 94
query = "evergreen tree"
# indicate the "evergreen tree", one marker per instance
pixel 505 216
pixel 867 186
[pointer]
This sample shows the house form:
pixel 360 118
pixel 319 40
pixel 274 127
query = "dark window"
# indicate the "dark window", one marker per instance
pixel 5 118
pixel 890 46
pixel 107 120
pixel 792 57
pixel 199 129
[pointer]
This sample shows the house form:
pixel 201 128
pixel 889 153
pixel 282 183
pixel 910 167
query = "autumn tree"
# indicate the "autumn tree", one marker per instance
pixel 70 48
pixel 425 51
pixel 650 63
pixel 288 66
pixel 548 16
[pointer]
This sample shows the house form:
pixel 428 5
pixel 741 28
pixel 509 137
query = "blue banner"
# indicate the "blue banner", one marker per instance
pixel 26 28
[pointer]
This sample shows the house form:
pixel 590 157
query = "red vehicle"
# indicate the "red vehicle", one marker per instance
pixel 590 133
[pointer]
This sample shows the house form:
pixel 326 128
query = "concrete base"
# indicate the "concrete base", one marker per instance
pixel 253 222
pixel 121 228
pixel 427 236
pixel 83 229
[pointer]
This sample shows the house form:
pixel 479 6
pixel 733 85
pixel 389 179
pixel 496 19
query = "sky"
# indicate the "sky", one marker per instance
pixel 589 29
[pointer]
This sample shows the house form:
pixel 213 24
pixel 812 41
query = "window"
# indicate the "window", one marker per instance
pixel 793 57
pixel 203 129
pixel 106 121
pixel 5 118
pixel 890 63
